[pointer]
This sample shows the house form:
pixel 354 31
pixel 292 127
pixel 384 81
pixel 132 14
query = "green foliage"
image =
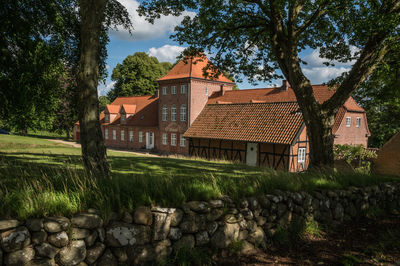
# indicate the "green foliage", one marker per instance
pixel 191 256
pixel 40 177
pixel 137 75
pixel 356 155
pixel 103 101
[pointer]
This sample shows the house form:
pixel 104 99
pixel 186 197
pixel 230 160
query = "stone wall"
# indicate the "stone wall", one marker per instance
pixel 153 233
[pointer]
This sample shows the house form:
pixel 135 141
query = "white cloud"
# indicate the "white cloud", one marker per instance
pixel 313 59
pixel 166 53
pixel 318 75
pixel 143 30
pixel 103 89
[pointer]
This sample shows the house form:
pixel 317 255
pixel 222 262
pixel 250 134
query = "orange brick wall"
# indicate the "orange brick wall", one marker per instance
pixel 126 143
pixel 301 142
pixel 352 135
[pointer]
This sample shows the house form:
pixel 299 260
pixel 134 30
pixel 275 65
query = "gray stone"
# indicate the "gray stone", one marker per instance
pixel 243 234
pixel 281 209
pixel 41 262
pixel 338 212
pixel 72 254
pixel 79 233
pixel 102 234
pixel 248 214
pixel 224 236
pixel 39 237
pixel 143 215
pixel 230 218
pixel 243 204
pixel 93 211
pixel 92 254
pixel 351 210
pixel 46 250
pixel 150 253
pixel 56 224
pixel 120 254
pixel 121 234
pixel 214 214
pixel 212 227
pixel 20 257
pixel 58 239
pixel 187 241
pixel 8 224
pixel 246 247
pixel 199 206
pixel 202 238
pixel 264 202
pixel 34 224
pixel 175 233
pixel 253 204
pixel 163 210
pixel 107 259
pixel 216 203
pixel 256 237
pixel 127 218
pixel 161 225
pixel 91 239
pixel 15 239
pixel 189 224
pixel 261 220
pixel 176 217
pixel 87 221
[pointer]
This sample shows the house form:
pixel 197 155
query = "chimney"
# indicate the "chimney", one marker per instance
pixel 285 85
pixel 223 89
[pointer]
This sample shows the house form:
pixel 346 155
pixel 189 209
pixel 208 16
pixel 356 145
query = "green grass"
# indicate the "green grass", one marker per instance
pixel 40 177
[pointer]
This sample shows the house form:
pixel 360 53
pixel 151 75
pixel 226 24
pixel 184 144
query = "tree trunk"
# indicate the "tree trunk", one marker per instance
pixel 93 148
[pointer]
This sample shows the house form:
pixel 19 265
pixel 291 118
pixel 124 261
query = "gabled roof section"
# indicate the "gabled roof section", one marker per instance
pixel 252 122
pixel 193 68
pixel 128 108
pixel 112 109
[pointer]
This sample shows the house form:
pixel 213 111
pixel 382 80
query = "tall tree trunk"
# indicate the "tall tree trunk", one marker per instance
pixel 92 13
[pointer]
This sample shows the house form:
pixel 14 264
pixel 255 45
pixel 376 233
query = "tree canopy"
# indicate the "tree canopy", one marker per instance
pixel 137 75
pixel 258 37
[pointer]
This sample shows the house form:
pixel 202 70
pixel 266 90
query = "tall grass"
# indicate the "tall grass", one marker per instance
pixel 28 189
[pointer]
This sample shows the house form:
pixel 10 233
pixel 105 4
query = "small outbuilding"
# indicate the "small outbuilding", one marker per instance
pixel 388 160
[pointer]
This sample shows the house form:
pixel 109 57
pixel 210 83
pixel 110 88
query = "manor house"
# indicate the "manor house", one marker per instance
pixel 201 115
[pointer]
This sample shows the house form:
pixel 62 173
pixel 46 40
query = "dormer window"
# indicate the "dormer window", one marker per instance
pixel 123 117
pixel 107 118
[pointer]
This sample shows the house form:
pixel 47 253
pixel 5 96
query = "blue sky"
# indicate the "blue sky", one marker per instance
pixel 154 40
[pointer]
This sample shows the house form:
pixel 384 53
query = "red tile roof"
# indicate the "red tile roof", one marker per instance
pixel 145 110
pixel 112 109
pixel 254 122
pixel 193 68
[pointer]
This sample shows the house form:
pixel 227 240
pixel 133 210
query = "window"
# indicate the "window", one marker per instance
pixel 173 139
pixel 183 112
pixel 140 136
pixel 182 141
pixel 114 134
pixel 173 89
pixel 122 135
pixel 106 133
pixel 164 113
pixel 131 136
pixel 348 121
pixel 164 138
pixel 206 90
pixel 301 155
pixel 358 122
pixel 123 117
pixel 107 118
pixel 164 90
pixel 183 89
pixel 173 113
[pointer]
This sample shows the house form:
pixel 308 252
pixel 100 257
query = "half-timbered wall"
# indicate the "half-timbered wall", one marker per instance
pixel 274 156
pixel 300 142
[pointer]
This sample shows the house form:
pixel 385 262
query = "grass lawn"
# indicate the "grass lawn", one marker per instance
pixel 39 177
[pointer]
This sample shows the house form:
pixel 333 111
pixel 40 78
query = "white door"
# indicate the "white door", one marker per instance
pixel 149 140
pixel 251 154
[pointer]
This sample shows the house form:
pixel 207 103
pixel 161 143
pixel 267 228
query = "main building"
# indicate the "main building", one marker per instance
pixel 201 115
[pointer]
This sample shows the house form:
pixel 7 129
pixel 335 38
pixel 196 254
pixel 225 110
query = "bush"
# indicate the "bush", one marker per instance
pixel 355 155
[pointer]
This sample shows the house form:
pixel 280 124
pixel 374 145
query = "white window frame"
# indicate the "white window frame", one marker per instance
pixel 183 89
pixel 358 122
pixel 107 118
pixel 106 133
pixel 164 91
pixel 173 139
pixel 348 121
pixel 206 90
pixel 173 112
pixel 131 136
pixel 173 90
pixel 301 155
pixel 114 134
pixel 164 138
pixel 122 135
pixel 182 141
pixel 140 136
pixel 182 112
pixel 123 117
pixel 164 113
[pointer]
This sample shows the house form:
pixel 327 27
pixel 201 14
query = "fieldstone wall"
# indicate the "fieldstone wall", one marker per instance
pixel 151 234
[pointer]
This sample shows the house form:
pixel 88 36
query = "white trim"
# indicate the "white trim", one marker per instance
pixel 358 121
pixel 301 155
pixel 131 136
pixel 173 112
pixel 164 138
pixel 164 113
pixel 182 141
pixel 140 136
pixel 173 139
pixel 182 112
pixel 183 89
pixel 164 91
pixel 173 90
pixel 114 134
pixel 348 121
pixel 122 135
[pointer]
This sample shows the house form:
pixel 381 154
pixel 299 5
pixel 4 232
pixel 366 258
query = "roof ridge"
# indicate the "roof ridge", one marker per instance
pixel 291 102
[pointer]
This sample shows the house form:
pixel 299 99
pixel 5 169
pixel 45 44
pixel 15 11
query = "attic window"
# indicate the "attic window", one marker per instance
pixel 123 117
pixel 107 118
pixel 142 117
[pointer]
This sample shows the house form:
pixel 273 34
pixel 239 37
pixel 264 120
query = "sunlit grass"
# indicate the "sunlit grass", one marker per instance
pixel 39 177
